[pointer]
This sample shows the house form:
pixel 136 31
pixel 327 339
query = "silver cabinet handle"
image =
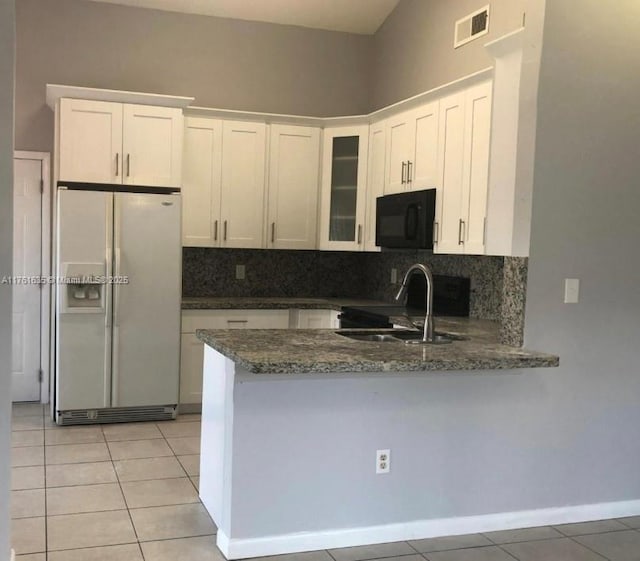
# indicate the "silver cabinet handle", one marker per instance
pixel 224 236
pixel 117 164
pixel 484 231
pixel 409 171
pixel 215 231
pixel 359 234
pixel 128 165
pixel 436 231
pixel 403 181
pixel 461 225
pixel 273 232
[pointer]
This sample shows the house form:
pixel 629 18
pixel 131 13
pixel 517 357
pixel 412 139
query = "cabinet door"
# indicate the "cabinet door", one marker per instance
pixel 423 170
pixel 152 145
pixel 243 177
pixel 451 156
pixel 191 363
pixel 294 166
pixel 477 138
pixel 90 141
pixel 375 181
pixel 316 319
pixel 344 182
pixel 400 132
pixel 201 169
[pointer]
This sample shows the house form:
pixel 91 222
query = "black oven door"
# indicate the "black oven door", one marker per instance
pixel 405 220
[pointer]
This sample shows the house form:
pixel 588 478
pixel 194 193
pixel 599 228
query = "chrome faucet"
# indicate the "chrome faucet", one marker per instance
pixel 427 336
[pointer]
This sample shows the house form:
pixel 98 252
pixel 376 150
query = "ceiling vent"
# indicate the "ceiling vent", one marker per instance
pixel 471 27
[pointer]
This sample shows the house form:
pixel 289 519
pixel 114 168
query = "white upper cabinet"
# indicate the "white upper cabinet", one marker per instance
pixel 243 179
pixel 202 162
pixel 90 148
pixel 412 149
pixel 375 181
pixel 152 145
pixel 344 183
pixel 108 142
pixel 477 141
pixel 223 183
pixel 448 224
pixel 399 152
pixel 464 132
pixel 294 167
pixel 422 171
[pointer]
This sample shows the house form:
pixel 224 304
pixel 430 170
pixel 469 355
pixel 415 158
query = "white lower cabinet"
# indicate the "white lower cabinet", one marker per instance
pixel 315 319
pixel 193 349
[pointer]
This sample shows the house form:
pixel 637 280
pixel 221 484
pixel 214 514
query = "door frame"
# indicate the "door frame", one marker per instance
pixel 45 266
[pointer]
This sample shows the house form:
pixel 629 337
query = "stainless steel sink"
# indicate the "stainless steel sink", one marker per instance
pixel 399 336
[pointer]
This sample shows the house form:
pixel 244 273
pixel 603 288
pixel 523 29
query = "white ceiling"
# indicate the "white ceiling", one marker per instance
pixel 354 16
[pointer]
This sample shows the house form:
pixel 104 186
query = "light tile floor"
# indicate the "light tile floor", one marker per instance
pixel 129 493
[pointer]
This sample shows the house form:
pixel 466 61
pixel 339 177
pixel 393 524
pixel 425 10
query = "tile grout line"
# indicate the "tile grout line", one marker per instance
pixel 512 555
pixel 587 547
pixel 46 502
pixel 180 463
pixel 124 498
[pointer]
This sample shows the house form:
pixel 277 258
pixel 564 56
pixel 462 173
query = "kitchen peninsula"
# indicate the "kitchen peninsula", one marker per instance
pixel 293 420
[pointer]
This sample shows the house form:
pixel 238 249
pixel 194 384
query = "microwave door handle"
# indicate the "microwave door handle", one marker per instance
pixel 411 230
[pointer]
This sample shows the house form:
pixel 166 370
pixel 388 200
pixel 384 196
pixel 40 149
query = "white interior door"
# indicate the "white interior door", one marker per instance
pixel 27 260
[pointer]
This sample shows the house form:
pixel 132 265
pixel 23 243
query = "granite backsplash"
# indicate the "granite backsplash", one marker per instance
pixel 485 273
pixel 276 273
pixel 498 284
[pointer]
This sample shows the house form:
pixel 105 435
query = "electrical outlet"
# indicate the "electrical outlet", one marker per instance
pixel 394 276
pixel 571 291
pixel 240 272
pixel 383 461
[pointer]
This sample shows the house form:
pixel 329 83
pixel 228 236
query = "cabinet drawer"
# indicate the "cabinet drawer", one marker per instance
pixel 234 319
pixel 315 319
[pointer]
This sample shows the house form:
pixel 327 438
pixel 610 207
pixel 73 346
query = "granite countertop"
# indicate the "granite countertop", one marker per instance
pixel 257 303
pixel 306 351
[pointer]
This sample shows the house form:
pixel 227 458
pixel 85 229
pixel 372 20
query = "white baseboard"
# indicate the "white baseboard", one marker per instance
pixel 419 529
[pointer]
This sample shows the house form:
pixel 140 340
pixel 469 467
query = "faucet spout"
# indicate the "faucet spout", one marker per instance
pixel 427 336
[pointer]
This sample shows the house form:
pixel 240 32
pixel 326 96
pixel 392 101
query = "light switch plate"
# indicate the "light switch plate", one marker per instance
pixel 240 272
pixel 571 291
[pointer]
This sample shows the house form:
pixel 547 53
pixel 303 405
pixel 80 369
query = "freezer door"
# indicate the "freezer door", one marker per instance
pixel 83 309
pixel 146 310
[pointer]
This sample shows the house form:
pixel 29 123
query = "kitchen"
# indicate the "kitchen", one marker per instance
pixel 542 341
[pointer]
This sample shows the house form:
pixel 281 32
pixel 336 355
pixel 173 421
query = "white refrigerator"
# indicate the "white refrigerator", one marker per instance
pixel 118 293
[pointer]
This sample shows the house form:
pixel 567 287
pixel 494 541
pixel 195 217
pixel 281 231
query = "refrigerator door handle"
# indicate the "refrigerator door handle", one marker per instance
pixel 115 362
pixel 115 287
pixel 107 290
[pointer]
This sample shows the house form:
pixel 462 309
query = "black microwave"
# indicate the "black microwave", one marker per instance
pixel 405 220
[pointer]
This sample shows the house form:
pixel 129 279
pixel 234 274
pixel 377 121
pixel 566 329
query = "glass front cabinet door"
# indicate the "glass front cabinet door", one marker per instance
pixel 344 183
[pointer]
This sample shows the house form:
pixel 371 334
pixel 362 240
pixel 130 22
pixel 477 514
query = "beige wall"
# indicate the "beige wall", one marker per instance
pixel 413 50
pixel 6 259
pixel 222 63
